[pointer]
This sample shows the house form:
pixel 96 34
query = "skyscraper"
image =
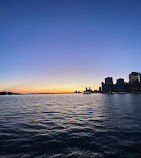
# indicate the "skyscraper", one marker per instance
pixel 99 89
pixel 120 87
pixel 109 85
pixel 134 77
pixel 103 87
pixel 135 82
pixel 109 81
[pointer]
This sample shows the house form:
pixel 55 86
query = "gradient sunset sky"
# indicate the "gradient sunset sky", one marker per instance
pixel 66 45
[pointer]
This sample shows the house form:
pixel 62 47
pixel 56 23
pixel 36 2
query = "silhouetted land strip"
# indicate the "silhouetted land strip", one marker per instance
pixel 9 93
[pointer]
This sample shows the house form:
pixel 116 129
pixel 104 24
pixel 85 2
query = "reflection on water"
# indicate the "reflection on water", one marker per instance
pixel 71 126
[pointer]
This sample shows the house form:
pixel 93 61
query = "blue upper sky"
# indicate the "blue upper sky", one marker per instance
pixel 62 45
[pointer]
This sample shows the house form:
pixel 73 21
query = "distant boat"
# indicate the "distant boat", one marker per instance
pixel 87 92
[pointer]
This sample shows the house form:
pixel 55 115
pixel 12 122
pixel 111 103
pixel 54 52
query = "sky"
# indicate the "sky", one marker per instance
pixel 66 45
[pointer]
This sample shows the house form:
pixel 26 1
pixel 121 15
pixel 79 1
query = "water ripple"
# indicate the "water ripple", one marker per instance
pixel 70 126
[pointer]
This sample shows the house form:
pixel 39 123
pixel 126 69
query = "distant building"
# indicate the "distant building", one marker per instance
pixel 109 86
pixel 135 82
pixel 127 87
pixel 100 90
pixel 140 77
pixel 134 77
pixel 103 87
pixel 109 81
pixel 134 85
pixel 88 90
pixel 120 87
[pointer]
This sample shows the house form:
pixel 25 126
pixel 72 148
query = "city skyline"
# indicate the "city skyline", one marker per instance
pixel 61 46
pixel 133 85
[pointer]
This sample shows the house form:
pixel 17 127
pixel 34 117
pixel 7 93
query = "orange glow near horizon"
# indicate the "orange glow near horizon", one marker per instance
pixel 40 90
pixel 47 86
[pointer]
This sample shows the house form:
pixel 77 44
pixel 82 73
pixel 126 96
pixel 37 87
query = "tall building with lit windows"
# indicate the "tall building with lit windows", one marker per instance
pixel 134 77
pixel 135 82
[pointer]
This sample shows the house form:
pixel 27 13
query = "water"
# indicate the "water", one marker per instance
pixel 70 126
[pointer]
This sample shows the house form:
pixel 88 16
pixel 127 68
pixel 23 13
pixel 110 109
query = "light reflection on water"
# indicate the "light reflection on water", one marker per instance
pixel 71 125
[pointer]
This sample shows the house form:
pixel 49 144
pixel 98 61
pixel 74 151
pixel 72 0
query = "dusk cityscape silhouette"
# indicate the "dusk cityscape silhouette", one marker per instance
pixel 133 86
pixel 70 84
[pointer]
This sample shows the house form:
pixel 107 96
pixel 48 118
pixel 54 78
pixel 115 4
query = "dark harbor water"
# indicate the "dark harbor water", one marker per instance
pixel 70 126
